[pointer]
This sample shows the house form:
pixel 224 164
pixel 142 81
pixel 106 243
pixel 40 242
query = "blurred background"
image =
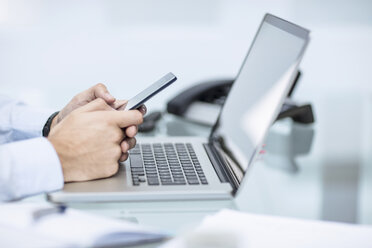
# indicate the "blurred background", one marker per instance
pixel 51 50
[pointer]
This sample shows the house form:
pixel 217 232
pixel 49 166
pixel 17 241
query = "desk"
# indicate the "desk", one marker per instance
pixel 320 171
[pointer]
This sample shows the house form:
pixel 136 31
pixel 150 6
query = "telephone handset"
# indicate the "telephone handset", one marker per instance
pixel 202 103
pixel 213 92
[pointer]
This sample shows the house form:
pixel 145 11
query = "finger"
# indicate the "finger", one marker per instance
pixel 124 146
pixel 143 109
pixel 132 142
pixel 119 104
pixel 131 131
pixel 127 144
pixel 123 157
pixel 95 105
pixel 117 134
pixel 123 118
pixel 100 91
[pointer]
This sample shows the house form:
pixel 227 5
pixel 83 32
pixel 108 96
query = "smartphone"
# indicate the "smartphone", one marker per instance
pixel 151 91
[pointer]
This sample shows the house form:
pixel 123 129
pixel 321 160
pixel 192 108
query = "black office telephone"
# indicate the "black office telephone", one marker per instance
pixel 202 102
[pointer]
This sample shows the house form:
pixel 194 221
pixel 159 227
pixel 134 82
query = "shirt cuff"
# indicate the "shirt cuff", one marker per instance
pixel 34 167
pixel 29 121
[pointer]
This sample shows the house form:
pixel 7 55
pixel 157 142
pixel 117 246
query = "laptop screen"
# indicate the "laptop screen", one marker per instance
pixel 259 90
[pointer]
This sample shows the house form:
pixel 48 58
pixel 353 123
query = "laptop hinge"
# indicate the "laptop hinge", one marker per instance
pixel 222 171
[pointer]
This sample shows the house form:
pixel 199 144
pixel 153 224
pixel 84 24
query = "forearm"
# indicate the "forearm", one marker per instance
pixel 28 167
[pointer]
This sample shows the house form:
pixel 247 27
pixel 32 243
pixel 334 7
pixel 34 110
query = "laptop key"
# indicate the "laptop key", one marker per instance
pixel 167 183
pixel 176 179
pixel 138 173
pixel 178 175
pixel 166 178
pixel 179 182
pixel 191 177
pixel 193 182
pixel 153 182
pixel 135 160
pixel 152 175
pixel 190 173
pixel 162 166
pixel 173 183
pixel 164 174
pixel 177 172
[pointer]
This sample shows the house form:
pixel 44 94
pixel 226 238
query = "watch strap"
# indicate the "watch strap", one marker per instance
pixel 46 128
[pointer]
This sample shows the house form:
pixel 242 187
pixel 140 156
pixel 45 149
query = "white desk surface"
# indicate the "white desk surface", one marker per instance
pixel 319 171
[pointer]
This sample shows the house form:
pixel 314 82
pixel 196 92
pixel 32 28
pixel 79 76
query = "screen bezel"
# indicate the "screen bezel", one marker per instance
pixel 289 27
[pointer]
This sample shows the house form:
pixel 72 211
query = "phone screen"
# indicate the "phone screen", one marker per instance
pixel 151 91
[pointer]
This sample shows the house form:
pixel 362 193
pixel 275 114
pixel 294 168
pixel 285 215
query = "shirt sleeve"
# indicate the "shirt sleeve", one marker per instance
pixel 28 162
pixel 19 121
pixel 29 167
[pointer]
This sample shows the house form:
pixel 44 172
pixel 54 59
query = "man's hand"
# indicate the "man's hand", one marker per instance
pixel 130 132
pixel 89 141
pixel 97 91
pixel 91 94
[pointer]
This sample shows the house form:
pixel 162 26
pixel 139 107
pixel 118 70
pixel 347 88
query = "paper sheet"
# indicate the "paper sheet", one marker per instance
pixel 73 228
pixel 235 229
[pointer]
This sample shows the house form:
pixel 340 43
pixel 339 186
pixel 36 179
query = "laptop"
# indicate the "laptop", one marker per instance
pixel 194 168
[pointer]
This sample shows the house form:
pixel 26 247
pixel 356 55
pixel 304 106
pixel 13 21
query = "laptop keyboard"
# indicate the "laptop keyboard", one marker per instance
pixel 165 164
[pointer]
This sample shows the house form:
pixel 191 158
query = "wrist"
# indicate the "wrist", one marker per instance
pixel 60 150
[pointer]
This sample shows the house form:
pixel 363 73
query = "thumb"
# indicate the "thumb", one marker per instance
pixel 96 105
pixel 123 118
pixel 100 91
pixel 119 104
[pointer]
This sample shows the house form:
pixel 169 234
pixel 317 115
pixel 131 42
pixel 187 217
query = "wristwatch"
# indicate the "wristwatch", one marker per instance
pixel 46 128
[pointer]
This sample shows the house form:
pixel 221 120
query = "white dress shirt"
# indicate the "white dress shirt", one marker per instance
pixel 28 162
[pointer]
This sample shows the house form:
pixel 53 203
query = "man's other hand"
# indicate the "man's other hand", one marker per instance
pixel 97 91
pixel 90 141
